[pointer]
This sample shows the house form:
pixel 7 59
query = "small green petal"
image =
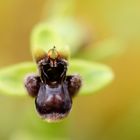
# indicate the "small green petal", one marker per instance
pixel 12 78
pixel 95 76
pixel 44 38
pixel 66 35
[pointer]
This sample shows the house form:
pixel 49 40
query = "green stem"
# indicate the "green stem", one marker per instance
pixel 60 8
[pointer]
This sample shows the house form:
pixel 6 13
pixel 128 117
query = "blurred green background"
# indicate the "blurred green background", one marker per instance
pixel 113 113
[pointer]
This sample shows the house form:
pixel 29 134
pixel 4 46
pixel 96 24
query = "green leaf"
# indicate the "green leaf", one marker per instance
pixel 95 76
pixel 12 77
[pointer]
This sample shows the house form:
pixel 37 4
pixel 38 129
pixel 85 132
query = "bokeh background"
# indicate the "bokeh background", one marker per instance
pixel 113 113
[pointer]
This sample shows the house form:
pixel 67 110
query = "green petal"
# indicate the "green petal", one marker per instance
pixel 66 35
pixel 12 77
pixel 95 76
pixel 44 37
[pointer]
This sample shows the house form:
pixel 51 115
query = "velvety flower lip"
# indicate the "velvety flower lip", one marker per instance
pixel 52 88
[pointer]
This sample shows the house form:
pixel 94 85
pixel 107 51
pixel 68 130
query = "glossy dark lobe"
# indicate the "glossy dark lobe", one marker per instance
pixel 53 101
pixel 53 89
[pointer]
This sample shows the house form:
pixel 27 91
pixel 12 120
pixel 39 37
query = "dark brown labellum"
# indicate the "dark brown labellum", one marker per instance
pixel 53 103
pixel 52 88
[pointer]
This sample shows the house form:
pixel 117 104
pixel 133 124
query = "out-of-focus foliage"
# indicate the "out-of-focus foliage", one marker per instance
pixel 102 50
